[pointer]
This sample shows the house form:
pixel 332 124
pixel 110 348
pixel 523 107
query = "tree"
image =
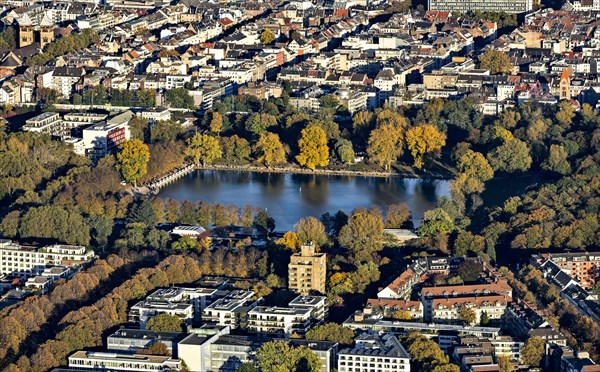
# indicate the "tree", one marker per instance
pixel 557 161
pixel 289 240
pixel 310 229
pixel 331 332
pixel 55 222
pixel 132 160
pixel 468 242
pixel 422 140
pixel 362 235
pixel 495 61
pixel 276 356
pixel 474 164
pixel 512 156
pixel 185 243
pixel 138 126
pixel 504 363
pixel 467 315
pixel 263 221
pixel 235 147
pixel 385 145
pixel 485 319
pixel 144 212
pixel 469 270
pixel 344 151
pixel 203 148
pixel 258 123
pixel 165 131
pixel 565 114
pixel 267 37
pixel 164 323
pixel 533 351
pixel 402 315
pixel 426 355
pixel 157 348
pixel 216 122
pixel 313 148
pixel 269 149
pixel 362 123
pixel 247 367
pixel 391 117
pixel 179 98
pixel 396 216
pixel 436 221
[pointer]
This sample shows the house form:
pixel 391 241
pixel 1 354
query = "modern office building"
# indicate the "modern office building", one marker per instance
pixel 26 261
pixel 374 353
pixel 307 270
pixel 509 6
pixel 105 137
pixel 90 360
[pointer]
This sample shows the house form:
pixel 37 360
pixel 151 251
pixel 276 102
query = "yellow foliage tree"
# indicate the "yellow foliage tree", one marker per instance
pixel 216 122
pixel 422 140
pixel 388 116
pixel 269 149
pixel 133 157
pixel 267 36
pixel 313 148
pixel 385 145
pixel 202 148
pixel 289 240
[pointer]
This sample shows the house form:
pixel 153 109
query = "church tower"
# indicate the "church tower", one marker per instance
pixel 565 85
pixel 46 31
pixel 25 31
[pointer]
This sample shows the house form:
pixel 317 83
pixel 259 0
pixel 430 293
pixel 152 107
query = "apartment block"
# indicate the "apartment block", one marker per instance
pixel 307 270
pixel 583 266
pixel 509 6
pixel 279 320
pixel 48 123
pixel 185 303
pixel 441 304
pixel 231 309
pixel 374 353
pixel 131 340
pixel 26 261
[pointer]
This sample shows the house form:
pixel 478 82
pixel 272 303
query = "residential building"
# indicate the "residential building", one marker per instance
pixel 26 261
pixel 230 310
pixel 131 340
pixel 582 266
pixel 510 6
pixel 48 123
pixel 374 352
pixel 186 303
pixel 307 270
pixel 64 79
pixel 442 304
pixel 283 321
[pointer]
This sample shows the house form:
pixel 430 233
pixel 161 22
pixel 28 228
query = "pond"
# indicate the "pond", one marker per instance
pixel 289 197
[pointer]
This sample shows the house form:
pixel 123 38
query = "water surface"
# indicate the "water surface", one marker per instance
pixel 289 197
